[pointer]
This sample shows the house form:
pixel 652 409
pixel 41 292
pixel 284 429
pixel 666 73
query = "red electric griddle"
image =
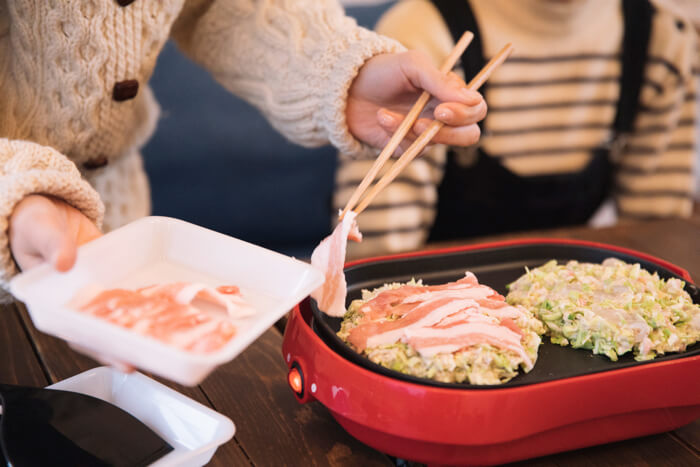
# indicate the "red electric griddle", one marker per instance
pixel 571 399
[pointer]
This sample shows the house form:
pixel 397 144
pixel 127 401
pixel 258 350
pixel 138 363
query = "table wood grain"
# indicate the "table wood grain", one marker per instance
pixel 273 429
pixel 19 364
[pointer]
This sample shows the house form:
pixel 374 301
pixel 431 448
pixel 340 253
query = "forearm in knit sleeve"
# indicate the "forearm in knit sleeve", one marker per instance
pixel 655 177
pixel 27 168
pixel 293 60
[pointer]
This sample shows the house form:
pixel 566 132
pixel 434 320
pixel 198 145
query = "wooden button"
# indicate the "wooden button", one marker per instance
pixel 96 162
pixel 124 2
pixel 125 90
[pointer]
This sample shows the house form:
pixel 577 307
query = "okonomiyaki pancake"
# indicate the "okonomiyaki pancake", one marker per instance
pixel 461 331
pixel 611 308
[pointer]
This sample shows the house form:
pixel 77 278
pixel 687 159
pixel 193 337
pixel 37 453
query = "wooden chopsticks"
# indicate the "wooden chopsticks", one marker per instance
pixel 422 141
pixel 406 124
pixel 419 144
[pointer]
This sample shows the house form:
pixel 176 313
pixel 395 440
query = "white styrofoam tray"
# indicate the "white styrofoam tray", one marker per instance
pixel 193 430
pixel 155 250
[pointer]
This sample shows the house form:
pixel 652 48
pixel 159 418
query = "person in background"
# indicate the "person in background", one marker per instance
pixel 591 120
pixel 75 108
pixel 689 9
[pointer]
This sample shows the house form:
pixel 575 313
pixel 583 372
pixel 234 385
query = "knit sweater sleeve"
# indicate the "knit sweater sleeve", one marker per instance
pixel 293 60
pixel 655 177
pixel 27 168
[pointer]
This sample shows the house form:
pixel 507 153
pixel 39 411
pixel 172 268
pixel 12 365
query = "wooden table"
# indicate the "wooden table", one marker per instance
pixel 274 430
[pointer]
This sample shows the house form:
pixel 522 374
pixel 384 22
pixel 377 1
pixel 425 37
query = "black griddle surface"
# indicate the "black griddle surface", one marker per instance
pixel 495 267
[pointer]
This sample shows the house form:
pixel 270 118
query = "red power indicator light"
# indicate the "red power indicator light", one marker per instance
pixel 295 381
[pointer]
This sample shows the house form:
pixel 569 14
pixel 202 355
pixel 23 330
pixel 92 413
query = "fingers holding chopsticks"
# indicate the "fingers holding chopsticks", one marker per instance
pixel 458 115
pixel 404 85
pixel 464 135
pixel 446 87
pixel 460 123
pixel 430 132
pixel 452 102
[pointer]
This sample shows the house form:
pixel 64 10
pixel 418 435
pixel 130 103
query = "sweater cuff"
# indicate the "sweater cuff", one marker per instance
pixel 65 185
pixel 361 46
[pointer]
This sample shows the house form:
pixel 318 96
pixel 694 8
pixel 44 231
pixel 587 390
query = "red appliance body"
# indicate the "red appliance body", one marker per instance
pixel 438 425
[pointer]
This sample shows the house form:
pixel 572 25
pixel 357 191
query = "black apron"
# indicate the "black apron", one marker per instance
pixel 487 198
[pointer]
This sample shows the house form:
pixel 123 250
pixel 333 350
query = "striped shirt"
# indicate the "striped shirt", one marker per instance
pixel 550 105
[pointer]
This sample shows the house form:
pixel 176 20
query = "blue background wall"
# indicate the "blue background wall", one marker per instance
pixel 216 162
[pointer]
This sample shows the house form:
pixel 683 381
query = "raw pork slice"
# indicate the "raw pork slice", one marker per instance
pixel 461 331
pixel 329 257
pixel 190 316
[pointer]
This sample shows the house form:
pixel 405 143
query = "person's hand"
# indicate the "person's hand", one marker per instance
pixel 388 85
pixel 45 229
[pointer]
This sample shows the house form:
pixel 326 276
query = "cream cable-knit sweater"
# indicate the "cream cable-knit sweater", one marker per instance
pixel 74 99
pixel 550 104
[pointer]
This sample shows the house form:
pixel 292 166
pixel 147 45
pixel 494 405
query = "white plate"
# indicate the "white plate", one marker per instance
pixel 160 249
pixel 195 431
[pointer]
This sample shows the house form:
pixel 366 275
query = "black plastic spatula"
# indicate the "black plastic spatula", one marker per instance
pixel 53 427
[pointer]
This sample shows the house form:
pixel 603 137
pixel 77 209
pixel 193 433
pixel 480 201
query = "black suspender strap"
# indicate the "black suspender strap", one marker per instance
pixel 459 17
pixel 635 45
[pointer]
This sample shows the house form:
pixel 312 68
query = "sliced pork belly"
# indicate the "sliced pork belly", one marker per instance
pixel 329 257
pixel 422 314
pixel 454 332
pixel 430 341
pixel 190 316
pixel 443 318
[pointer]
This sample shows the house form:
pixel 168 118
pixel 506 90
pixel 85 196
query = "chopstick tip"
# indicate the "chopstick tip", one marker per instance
pixel 343 212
